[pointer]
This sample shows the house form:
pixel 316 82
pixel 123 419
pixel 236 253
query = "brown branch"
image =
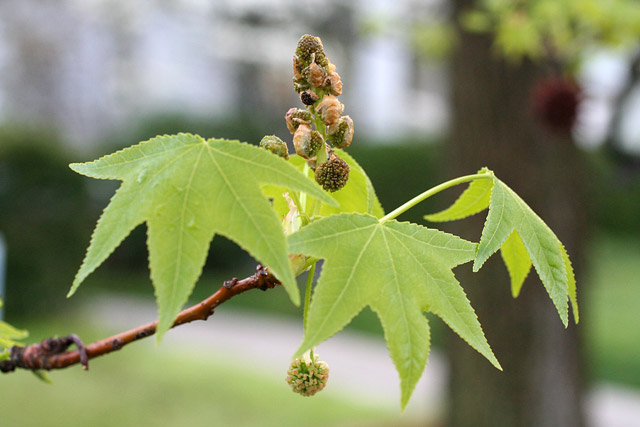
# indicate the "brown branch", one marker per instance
pixel 51 353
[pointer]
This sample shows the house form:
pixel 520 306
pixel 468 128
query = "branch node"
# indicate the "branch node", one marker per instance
pixel 228 284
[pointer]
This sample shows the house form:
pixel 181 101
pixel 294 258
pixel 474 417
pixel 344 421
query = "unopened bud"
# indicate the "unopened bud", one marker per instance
pixel 330 110
pixel 316 75
pixel 297 68
pixel 295 117
pixel 335 84
pixel 302 141
pixel 341 134
pixel 275 145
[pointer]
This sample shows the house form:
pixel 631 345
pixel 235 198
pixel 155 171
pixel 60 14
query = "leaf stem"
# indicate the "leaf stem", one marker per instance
pixel 430 192
pixel 307 294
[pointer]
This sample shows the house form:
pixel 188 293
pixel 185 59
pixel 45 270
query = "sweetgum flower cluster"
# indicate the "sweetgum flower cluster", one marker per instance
pixel 308 375
pixel 319 127
pixel 319 85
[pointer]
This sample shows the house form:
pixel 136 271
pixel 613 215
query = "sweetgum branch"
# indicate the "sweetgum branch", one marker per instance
pixel 52 353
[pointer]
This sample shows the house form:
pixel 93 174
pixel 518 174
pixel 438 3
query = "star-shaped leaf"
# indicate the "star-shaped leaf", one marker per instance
pixel 187 189
pixel 522 237
pixel 398 269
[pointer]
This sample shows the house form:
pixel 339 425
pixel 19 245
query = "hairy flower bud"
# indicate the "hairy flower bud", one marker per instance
pixel 308 376
pixel 341 134
pixel 308 97
pixel 316 75
pixel 307 47
pixel 333 174
pixel 335 84
pixel 302 141
pixel 330 110
pixel 295 117
pixel 275 145
pixel 297 68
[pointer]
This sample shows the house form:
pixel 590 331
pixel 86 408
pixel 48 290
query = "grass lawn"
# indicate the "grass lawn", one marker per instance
pixel 611 310
pixel 158 386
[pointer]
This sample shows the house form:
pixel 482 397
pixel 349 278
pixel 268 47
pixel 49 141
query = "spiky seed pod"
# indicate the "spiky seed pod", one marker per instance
pixel 309 45
pixel 555 103
pixel 308 376
pixel 334 83
pixel 302 141
pixel 275 145
pixel 332 174
pixel 295 117
pixel 316 75
pixel 308 97
pixel 341 134
pixel 330 110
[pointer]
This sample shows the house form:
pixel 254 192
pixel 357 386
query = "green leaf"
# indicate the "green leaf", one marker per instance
pixel 43 376
pixel 516 258
pixel 9 335
pixel 398 269
pixel 187 189
pixel 474 199
pixel 571 284
pixel 508 212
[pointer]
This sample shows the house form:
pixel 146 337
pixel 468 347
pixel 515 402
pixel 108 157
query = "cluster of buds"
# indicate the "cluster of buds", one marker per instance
pixel 319 85
pixel 308 375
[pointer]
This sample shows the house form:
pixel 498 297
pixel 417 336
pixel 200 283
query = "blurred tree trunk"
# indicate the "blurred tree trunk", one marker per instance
pixel 493 126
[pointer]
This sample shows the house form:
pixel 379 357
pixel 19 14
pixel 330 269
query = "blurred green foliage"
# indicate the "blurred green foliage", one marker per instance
pixel 563 28
pixel 45 217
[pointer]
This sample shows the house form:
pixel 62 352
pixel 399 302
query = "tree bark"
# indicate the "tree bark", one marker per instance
pixel 492 126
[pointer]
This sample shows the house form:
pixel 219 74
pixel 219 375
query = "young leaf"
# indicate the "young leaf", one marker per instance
pixel 9 335
pixel 474 199
pixel 515 257
pixel 399 270
pixel 522 237
pixel 508 212
pixel 187 189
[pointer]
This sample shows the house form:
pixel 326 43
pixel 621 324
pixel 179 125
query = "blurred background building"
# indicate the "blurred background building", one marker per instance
pixel 89 67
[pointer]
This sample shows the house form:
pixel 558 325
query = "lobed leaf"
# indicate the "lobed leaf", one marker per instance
pixel 473 200
pixel 509 213
pixel 522 237
pixel 516 258
pixel 187 189
pixel 398 269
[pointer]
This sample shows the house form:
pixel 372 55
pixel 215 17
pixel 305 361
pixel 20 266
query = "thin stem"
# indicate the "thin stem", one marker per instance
pixel 430 192
pixel 50 353
pixel 307 294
